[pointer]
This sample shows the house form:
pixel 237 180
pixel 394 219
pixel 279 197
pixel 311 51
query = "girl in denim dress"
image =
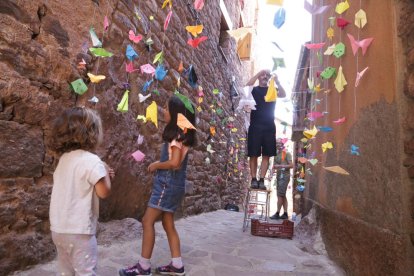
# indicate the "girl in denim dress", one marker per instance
pixel 168 189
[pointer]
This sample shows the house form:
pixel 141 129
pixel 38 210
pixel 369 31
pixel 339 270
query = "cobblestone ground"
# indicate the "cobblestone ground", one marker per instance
pixel 213 244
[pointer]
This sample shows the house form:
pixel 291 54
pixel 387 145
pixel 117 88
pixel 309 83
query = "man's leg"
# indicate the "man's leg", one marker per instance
pixel 263 170
pixel 253 171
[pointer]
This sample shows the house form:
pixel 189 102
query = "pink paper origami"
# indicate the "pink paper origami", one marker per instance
pixel 314 115
pixel 134 38
pixel 106 23
pixel 314 46
pixel 167 20
pixel 342 23
pixel 138 156
pixel 196 41
pixel 198 4
pixel 359 76
pixel 340 121
pixel 130 67
pixel 148 69
pixel 364 44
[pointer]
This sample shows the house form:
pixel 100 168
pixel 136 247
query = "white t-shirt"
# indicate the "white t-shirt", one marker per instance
pixel 74 206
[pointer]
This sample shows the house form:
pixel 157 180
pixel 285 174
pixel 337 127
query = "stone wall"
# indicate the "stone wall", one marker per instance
pixel 41 44
pixel 366 218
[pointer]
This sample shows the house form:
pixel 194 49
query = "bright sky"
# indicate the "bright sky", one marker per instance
pixel 290 37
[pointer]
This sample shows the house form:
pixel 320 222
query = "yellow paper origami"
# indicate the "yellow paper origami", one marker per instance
pixel 183 123
pixel 340 81
pixel 152 113
pixel 275 2
pixel 361 19
pixel 336 169
pixel 271 94
pixel 326 146
pixel 330 33
pixel 142 117
pixel 195 30
pixel 329 51
pixel 310 133
pixel 342 7
pixel 166 2
pixel 96 78
pixel 123 104
pixel 317 88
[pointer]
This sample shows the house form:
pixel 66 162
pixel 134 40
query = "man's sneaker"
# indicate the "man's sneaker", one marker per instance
pixel 284 216
pixel 170 270
pixel 254 184
pixel 135 270
pixel 275 216
pixel 262 185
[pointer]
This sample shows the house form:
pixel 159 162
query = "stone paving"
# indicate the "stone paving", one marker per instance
pixel 213 244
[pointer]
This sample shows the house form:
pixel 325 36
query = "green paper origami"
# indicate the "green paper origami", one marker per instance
pixel 100 52
pixel 216 91
pixel 278 62
pixel 328 73
pixel 185 101
pixel 79 86
pixel 95 40
pixel 123 104
pixel 339 50
pixel 159 58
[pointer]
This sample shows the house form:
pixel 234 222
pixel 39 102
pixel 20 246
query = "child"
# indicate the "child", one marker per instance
pixel 79 179
pixel 168 189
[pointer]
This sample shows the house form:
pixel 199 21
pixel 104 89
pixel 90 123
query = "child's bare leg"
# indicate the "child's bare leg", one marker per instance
pixel 172 235
pixel 148 235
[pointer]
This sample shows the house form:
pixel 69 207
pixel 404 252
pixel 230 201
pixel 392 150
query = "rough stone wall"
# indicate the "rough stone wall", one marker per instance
pixel 41 43
pixel 365 217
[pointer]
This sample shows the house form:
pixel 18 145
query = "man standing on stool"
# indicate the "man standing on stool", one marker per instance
pixel 261 137
pixel 283 164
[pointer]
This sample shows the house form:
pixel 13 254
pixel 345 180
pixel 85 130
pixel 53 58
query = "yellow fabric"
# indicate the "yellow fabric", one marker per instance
pixel 271 94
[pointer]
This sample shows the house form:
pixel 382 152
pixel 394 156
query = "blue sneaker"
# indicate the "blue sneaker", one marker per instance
pixel 135 270
pixel 170 270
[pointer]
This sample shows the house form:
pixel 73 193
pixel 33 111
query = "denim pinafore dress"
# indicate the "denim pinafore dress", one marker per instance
pixel 169 185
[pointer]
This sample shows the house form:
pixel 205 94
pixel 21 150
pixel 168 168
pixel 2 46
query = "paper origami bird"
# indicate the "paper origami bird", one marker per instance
pixel 278 62
pixel 79 87
pixel 198 4
pixel 275 2
pixel 313 161
pixel 326 146
pixel 123 104
pixel 192 76
pixel 364 44
pixel 325 128
pixel 147 85
pixel 354 150
pixel 359 76
pixel 329 51
pixel 330 33
pixel 314 46
pixel 95 40
pixel 152 113
pixel 82 64
pixel 147 69
pixel 328 73
pixel 95 78
pixel 196 41
pixel 310 133
pixel 280 17
pixel 142 98
pixel 271 94
pixel 340 121
pixel 312 116
pixel 159 57
pixel 340 80
pixel 212 130
pixel 100 52
pixel 134 38
pixel 167 20
pixel 187 103
pixel 195 30
pixel 130 53
pixel 129 67
pixel 314 9
pixel 342 7
pixel 184 123
pixel 94 99
pixel 360 19
pixel 138 156
pixel 336 169
pixel 339 50
pixel 166 2
pixel 160 72
pixel 342 23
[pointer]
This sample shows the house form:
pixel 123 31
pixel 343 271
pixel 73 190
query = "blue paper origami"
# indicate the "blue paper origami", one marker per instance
pixel 300 188
pixel 192 77
pixel 354 150
pixel 160 72
pixel 280 17
pixel 130 53
pixel 325 128
pixel 147 85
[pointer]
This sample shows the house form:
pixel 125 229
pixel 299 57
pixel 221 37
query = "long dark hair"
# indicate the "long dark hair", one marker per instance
pixel 172 131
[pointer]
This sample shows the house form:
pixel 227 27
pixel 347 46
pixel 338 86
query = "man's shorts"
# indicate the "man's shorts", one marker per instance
pixel 261 142
pixel 282 184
